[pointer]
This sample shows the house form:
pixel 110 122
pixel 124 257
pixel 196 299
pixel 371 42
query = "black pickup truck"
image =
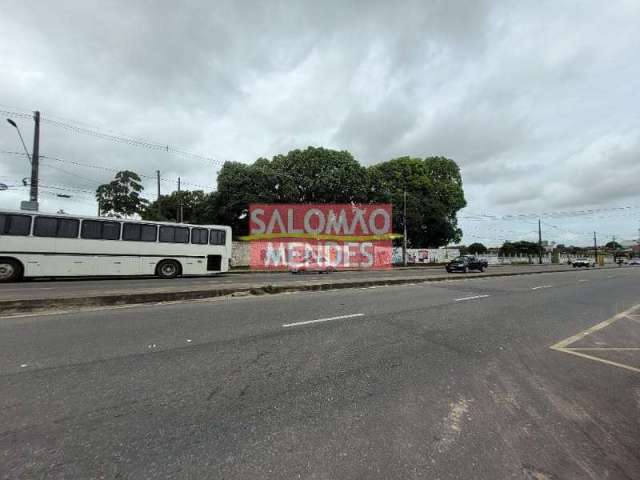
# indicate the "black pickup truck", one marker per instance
pixel 466 263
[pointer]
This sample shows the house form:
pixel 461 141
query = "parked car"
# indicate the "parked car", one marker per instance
pixel 312 265
pixel 583 262
pixel 466 263
pixel 634 261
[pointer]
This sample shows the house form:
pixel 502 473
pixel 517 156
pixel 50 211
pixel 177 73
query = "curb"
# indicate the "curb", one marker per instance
pixel 42 304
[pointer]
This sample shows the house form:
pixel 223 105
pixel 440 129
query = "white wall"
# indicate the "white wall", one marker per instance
pixel 240 256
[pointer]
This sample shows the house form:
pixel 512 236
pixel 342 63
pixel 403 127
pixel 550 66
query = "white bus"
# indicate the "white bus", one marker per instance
pixel 35 244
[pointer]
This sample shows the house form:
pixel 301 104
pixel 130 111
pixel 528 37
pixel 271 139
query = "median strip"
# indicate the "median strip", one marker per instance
pixel 9 307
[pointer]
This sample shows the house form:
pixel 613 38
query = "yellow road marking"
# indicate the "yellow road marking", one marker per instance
pixel 563 345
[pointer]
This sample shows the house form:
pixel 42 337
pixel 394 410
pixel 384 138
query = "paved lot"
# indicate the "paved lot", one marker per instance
pixel 45 288
pixel 443 380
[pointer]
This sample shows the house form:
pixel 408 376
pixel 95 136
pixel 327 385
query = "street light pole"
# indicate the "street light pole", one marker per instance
pixel 15 125
pixel 539 243
pixel 404 226
pixel 36 158
pixel 179 213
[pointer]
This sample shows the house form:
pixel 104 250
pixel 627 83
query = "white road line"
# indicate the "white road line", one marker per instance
pixel 583 280
pixel 471 298
pixel 341 317
pixel 541 286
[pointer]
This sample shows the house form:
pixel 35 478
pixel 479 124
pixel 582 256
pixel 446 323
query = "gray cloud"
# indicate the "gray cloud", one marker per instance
pixel 534 101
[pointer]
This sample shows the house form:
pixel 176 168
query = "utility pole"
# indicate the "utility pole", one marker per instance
pixel 35 157
pixel 595 247
pixel 158 201
pixel 404 226
pixel 539 242
pixel 179 203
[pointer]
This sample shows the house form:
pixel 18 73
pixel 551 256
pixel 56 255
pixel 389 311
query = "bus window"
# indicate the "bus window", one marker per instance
pixel 111 230
pixel 217 237
pixel 15 224
pixel 199 236
pixel 137 232
pixel 96 230
pixel 56 227
pixel 174 234
pixel 68 228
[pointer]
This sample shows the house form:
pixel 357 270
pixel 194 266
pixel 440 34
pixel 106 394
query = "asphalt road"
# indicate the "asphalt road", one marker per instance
pixel 47 288
pixel 450 380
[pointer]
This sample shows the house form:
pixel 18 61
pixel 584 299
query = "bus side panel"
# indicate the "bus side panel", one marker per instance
pixel 194 266
pixel 106 257
pixel 42 265
pixel 122 265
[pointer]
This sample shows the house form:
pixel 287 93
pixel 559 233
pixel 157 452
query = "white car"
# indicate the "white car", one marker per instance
pixel 312 265
pixel 634 261
pixel 583 262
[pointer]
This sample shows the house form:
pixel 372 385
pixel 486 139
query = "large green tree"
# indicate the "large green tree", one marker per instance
pixel 312 175
pixel 197 207
pixel 320 175
pixel 121 196
pixel 434 195
pixel 521 247
pixel 476 248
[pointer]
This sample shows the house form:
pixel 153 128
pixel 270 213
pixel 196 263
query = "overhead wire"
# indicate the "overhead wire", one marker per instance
pixel 115 170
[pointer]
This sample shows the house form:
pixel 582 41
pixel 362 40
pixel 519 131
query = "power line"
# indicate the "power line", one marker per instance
pixel 9 152
pixel 27 116
pixel 134 142
pixel 556 214
pixel 92 181
pixel 108 169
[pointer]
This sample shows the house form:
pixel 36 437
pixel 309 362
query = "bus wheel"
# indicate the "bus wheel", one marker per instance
pixel 168 269
pixel 10 270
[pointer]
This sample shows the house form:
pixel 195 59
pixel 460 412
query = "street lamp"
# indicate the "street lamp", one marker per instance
pixel 15 125
pixel 32 204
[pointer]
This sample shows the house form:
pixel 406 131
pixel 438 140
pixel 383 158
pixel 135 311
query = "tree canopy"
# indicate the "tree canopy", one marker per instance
pixel 433 187
pixel 613 245
pixel 121 196
pixel 313 175
pixel 521 247
pixel 197 207
pixel 434 195
pixel 476 248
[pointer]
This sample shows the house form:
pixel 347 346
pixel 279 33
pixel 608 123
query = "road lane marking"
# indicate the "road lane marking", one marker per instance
pixel 563 345
pixel 319 320
pixel 595 349
pixel 541 286
pixel 583 280
pixel 572 351
pixel 470 298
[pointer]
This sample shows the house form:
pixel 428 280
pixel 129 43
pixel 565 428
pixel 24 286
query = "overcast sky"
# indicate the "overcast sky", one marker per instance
pixel 538 102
